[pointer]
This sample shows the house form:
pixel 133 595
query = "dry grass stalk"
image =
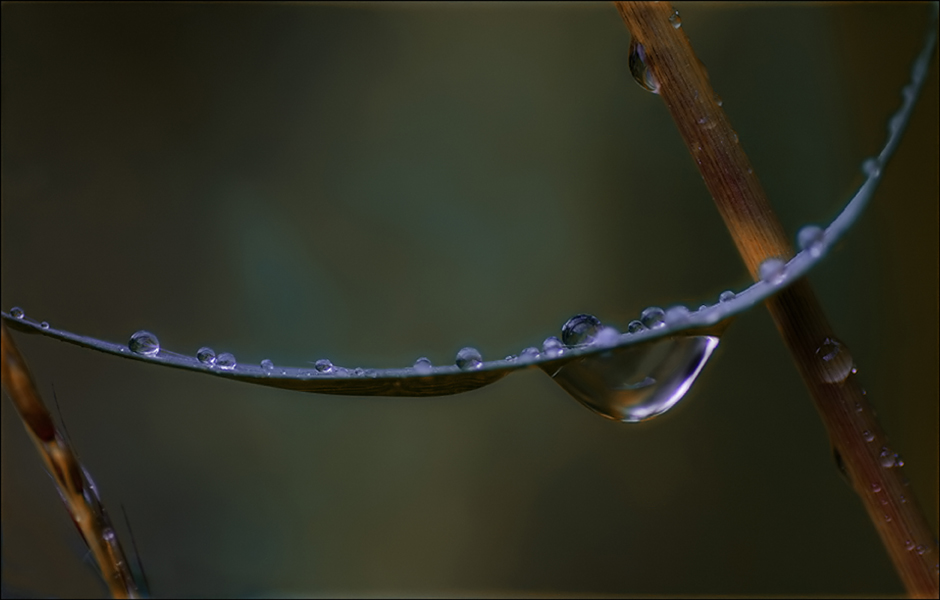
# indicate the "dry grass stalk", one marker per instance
pixel 75 488
pixel 857 439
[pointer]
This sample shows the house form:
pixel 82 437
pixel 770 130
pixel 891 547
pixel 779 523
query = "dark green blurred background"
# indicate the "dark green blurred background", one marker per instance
pixel 375 183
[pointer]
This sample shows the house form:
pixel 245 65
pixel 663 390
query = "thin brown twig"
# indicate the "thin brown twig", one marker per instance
pixel 75 488
pixel 856 436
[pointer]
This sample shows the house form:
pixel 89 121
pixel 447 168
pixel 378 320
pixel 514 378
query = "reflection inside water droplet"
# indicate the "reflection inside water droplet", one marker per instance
pixel 226 361
pixel 635 326
pixel 636 383
pixel 653 317
pixel 206 356
pixel 639 68
pixel 579 329
pixel 144 342
pixel 469 359
pixel 837 362
pixel 323 365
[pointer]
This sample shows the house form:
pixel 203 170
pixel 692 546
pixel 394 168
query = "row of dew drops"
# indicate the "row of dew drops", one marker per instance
pixel 579 331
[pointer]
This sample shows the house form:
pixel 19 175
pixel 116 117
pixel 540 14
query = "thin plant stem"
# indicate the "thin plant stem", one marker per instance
pixel 858 441
pixel 72 480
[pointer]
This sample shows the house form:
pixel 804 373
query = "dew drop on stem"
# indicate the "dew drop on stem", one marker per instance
pixel 469 359
pixel 639 68
pixel 323 365
pixel 552 346
pixel 17 313
pixel 653 317
pixel 675 19
pixel 811 238
pixel 726 296
pixel 607 336
pixel 206 356
pixel 44 324
pixel 835 361
pixel 773 271
pixel 144 342
pixel 579 330
pixel 423 366
pixel 267 364
pixel 529 354
pixel 635 326
pixel 638 382
pixel 226 361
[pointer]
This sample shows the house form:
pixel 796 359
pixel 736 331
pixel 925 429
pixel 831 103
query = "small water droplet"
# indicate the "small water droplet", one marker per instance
pixel 773 271
pixel 811 238
pixel 675 19
pixel 607 336
pixel 511 358
pixel 552 346
pixel 267 365
pixel 469 359
pixel 423 366
pixel 875 487
pixel 635 326
pixel 323 365
pixel 676 314
pixel 871 167
pixel 725 296
pixel 638 382
pixel 579 330
pixel 903 499
pixel 890 459
pixel 921 550
pixel 226 361
pixel 206 356
pixel 17 313
pixel 44 324
pixel 908 545
pixel 836 361
pixel 887 518
pixel 639 68
pixel 653 317
pixel 529 354
pixel 144 342
pixel 868 436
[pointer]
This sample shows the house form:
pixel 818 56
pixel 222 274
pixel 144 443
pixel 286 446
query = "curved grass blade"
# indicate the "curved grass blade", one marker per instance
pixel 815 244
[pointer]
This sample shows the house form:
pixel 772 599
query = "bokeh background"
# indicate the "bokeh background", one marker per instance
pixel 375 183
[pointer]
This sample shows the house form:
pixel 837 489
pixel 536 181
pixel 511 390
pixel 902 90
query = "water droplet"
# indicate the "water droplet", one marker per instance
pixel 226 361
pixel 607 336
pixel 323 365
pixel 903 499
pixel 579 330
pixel 836 361
pixel 358 372
pixel 773 270
pixel 267 365
pixel 206 356
pixel 144 342
pixel 653 317
pixel 552 346
pixel 887 518
pixel 871 167
pixel 635 326
pixel 908 545
pixel 423 366
pixel 639 68
pixel 639 382
pixel 511 358
pixel 44 324
pixel 726 296
pixel 469 359
pixel 675 19
pixel 528 354
pixel 889 459
pixel 17 313
pixel 811 238
pixel 875 487
pixel 676 314
pixel 921 550
pixel 868 436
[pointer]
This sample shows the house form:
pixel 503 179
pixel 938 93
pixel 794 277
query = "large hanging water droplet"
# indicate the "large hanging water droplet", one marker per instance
pixel 653 317
pixel 772 270
pixel 17 313
pixel 206 356
pixel 639 382
pixel 423 366
pixel 226 361
pixel 579 330
pixel 639 68
pixel 144 342
pixel 469 359
pixel 323 365
pixel 811 238
pixel 836 360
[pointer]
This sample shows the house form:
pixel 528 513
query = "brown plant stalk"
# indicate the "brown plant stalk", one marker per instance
pixel 857 439
pixel 75 488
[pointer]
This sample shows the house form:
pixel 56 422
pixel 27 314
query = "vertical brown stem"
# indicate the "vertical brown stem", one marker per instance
pixel 853 429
